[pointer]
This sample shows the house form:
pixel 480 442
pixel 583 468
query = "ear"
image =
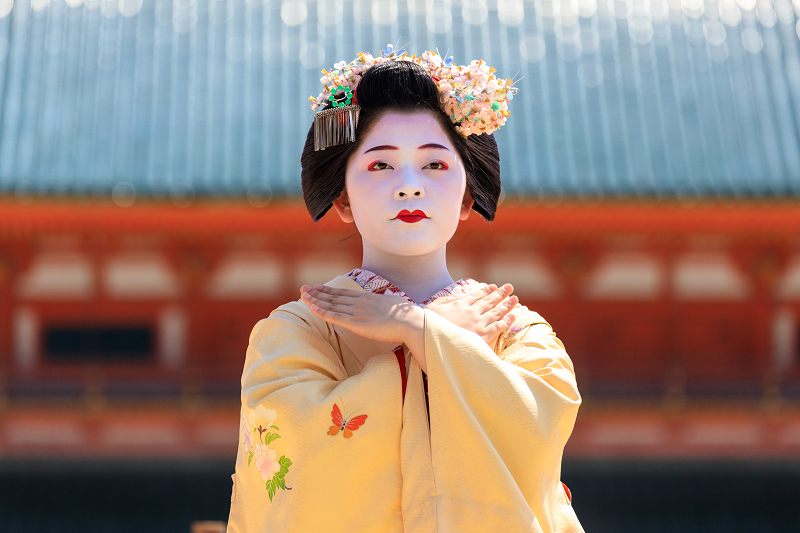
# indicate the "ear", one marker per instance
pixel 466 205
pixel 342 206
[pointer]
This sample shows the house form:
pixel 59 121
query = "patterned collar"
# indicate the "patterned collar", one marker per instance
pixel 372 282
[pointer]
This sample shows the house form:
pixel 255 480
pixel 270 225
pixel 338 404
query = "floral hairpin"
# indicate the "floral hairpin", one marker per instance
pixel 471 95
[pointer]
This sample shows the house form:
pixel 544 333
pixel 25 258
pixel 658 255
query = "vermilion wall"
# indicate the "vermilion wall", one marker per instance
pixel 657 343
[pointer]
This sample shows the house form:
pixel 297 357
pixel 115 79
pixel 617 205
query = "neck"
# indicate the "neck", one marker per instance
pixel 419 276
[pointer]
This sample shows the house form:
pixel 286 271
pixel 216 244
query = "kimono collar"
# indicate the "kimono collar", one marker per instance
pixel 372 282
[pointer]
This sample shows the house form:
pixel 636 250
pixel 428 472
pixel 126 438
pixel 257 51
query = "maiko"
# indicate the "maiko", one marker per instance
pixel 395 398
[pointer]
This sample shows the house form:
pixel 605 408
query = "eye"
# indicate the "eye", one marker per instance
pixel 437 165
pixel 379 165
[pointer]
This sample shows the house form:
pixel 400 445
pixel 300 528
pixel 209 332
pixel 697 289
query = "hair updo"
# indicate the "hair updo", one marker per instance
pixel 405 87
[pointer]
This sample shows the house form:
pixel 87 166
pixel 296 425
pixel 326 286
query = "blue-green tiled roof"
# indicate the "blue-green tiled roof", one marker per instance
pixel 209 96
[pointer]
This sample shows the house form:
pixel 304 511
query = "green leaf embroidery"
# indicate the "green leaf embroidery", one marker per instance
pixel 278 480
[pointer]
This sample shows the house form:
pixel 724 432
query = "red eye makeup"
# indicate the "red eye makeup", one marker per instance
pixel 371 165
pixel 442 165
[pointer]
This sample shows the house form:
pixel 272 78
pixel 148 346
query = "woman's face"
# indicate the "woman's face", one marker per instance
pixel 405 186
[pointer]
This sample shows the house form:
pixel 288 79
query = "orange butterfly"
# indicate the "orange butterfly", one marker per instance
pixel 341 423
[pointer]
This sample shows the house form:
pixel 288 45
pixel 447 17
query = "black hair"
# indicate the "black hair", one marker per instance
pixel 399 86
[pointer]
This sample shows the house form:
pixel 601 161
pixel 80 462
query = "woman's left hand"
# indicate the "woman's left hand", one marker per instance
pixel 380 317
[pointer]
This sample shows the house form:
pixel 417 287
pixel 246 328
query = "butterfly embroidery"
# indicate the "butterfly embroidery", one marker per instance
pixel 341 423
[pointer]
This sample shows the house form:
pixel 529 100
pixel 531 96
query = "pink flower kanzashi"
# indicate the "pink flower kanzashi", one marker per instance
pixel 477 76
pixel 267 461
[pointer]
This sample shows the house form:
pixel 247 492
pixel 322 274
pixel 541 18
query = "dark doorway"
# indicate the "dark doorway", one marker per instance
pixel 98 343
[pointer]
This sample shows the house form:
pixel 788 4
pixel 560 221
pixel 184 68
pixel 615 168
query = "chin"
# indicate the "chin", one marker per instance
pixel 409 247
pixel 408 240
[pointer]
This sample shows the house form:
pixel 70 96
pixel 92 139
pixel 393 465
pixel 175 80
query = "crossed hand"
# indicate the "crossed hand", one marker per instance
pixel 391 318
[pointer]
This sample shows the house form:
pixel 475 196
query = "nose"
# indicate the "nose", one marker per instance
pixel 410 187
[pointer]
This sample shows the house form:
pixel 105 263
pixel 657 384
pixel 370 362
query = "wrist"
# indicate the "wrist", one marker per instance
pixel 414 324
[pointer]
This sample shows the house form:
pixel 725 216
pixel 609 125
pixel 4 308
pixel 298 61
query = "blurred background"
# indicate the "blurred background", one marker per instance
pixel 150 215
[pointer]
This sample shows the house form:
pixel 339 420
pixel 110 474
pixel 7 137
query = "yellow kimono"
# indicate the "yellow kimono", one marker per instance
pixel 329 441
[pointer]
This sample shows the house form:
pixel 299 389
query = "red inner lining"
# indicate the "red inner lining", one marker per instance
pixel 401 360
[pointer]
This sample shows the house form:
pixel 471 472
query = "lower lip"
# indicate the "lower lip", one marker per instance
pixel 411 218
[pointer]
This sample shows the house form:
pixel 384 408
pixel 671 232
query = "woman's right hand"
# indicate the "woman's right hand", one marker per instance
pixel 486 311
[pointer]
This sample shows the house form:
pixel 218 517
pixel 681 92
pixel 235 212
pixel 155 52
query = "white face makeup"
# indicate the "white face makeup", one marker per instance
pixel 405 186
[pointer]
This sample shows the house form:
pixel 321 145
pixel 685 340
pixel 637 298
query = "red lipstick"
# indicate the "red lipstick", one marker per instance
pixel 409 217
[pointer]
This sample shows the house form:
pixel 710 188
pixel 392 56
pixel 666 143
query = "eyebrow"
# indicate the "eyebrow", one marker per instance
pixel 429 146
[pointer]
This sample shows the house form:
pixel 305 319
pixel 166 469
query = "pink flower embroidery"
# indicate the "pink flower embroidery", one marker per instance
pixel 273 470
pixel 267 461
pixel 247 439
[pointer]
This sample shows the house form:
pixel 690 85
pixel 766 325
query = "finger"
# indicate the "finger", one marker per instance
pixel 323 304
pixel 488 302
pixel 499 311
pixel 474 296
pixel 505 322
pixel 496 328
pixel 505 307
pixel 342 300
pixel 338 292
pixel 333 317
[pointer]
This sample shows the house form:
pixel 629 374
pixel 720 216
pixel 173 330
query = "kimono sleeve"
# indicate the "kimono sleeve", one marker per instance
pixel 508 417
pixel 312 438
